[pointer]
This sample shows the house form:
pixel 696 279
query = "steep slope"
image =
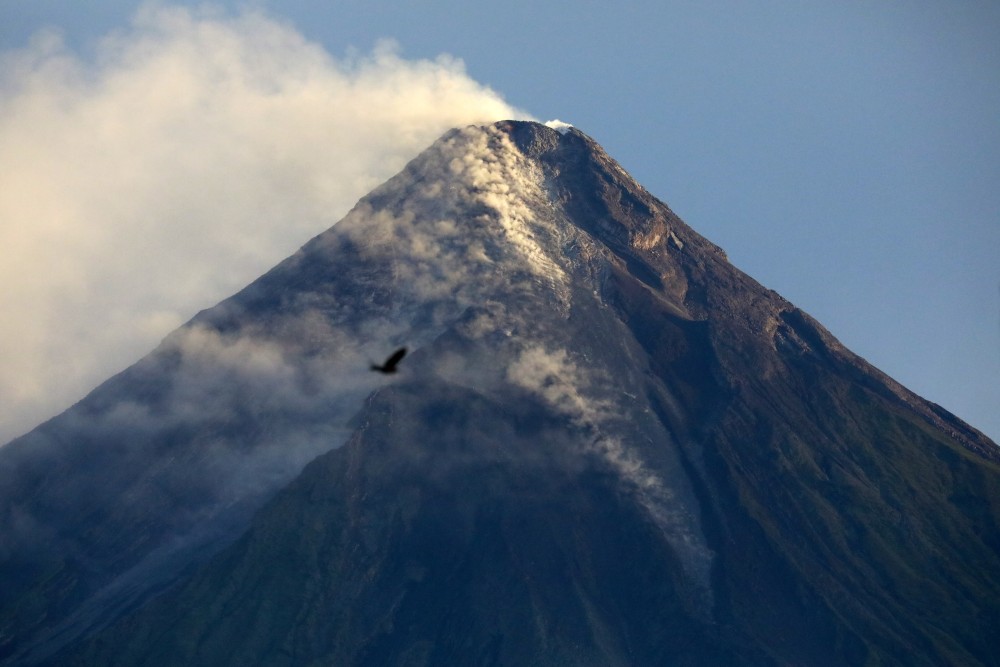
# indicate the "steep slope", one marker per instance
pixel 609 446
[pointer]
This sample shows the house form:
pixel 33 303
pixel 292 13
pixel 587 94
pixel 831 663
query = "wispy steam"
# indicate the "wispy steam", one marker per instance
pixel 193 152
pixel 475 206
pixel 555 376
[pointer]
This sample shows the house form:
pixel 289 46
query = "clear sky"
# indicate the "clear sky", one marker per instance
pixel 845 154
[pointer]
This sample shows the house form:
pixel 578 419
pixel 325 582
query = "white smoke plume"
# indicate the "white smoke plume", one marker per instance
pixel 554 376
pixel 192 152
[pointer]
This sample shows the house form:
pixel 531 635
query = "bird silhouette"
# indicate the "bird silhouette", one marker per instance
pixel 389 365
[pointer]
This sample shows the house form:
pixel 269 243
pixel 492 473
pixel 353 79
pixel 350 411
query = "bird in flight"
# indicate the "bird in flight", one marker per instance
pixel 389 365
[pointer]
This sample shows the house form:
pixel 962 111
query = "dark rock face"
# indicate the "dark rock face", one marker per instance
pixel 607 446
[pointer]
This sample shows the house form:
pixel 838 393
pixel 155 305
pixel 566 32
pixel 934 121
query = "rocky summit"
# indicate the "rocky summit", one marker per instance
pixel 606 445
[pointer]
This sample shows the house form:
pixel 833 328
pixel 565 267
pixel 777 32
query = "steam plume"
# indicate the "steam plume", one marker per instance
pixel 194 151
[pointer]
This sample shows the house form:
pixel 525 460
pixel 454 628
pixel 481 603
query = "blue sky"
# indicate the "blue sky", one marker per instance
pixel 845 154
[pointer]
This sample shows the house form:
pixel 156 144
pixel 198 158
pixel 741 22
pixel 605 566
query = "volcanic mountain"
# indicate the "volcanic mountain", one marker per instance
pixel 606 446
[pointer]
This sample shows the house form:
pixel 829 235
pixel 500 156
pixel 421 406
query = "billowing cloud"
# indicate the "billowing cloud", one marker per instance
pixel 191 152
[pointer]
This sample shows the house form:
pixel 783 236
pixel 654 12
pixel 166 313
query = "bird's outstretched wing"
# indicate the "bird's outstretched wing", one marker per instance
pixel 389 365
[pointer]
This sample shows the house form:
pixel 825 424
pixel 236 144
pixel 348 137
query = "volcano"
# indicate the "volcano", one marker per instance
pixel 606 446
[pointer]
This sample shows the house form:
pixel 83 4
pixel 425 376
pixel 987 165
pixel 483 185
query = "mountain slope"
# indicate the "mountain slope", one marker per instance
pixel 609 446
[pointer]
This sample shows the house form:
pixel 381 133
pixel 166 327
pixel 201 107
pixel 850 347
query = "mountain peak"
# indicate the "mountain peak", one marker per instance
pixel 588 382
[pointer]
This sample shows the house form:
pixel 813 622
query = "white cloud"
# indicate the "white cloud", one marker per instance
pixel 558 125
pixel 193 152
